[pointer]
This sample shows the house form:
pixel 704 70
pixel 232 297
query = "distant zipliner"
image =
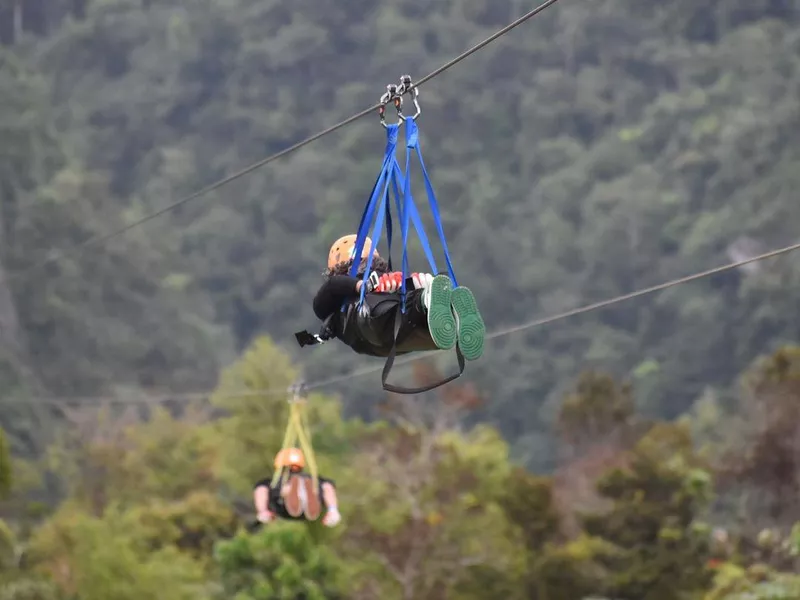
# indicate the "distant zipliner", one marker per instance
pixel 295 496
pixel 291 493
pixel 378 311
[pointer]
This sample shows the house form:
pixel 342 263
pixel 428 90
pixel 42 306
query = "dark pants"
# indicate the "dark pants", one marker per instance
pixel 276 504
pixel 375 334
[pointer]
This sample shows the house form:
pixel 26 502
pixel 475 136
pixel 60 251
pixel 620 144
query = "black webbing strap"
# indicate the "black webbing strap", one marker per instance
pixel 398 321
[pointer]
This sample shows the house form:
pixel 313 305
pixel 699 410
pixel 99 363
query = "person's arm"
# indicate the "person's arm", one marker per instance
pixel 261 498
pixel 261 501
pixel 333 292
pixel 332 516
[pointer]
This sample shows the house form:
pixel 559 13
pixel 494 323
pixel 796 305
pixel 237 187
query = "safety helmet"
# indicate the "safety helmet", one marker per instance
pixel 290 457
pixel 343 249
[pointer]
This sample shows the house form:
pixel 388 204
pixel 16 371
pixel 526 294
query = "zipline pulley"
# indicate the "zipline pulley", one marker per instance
pixel 394 94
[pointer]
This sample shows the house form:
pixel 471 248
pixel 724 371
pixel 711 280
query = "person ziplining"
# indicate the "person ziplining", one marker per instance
pixel 295 496
pixel 291 493
pixel 379 311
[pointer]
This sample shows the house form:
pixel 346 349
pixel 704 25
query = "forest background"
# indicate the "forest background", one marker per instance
pixel 647 451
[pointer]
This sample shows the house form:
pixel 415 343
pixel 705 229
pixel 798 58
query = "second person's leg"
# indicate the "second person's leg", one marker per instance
pixel 470 328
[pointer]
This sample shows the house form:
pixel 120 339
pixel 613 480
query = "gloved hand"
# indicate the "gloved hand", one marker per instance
pixel 332 517
pixel 421 280
pixel 390 282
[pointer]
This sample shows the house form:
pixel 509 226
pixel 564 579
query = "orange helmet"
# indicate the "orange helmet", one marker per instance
pixel 290 457
pixel 342 250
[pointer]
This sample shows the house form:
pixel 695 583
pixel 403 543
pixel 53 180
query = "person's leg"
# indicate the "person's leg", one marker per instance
pixel 436 302
pixel 332 516
pixel 291 496
pixel 471 330
pixel 261 501
pixel 310 498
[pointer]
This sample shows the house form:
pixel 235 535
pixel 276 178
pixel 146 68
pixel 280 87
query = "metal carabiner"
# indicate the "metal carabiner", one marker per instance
pixel 297 392
pixel 391 95
pixel 407 87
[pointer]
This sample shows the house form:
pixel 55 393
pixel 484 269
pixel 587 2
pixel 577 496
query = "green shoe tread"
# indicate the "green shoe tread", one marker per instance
pixel 441 323
pixel 471 328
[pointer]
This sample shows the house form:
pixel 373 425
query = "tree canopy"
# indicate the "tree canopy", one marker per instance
pixel 600 148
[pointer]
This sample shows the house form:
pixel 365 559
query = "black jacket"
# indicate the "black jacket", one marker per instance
pixel 373 336
pixel 340 290
pixel 333 293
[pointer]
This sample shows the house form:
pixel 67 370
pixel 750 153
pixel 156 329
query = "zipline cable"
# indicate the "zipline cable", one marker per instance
pixel 102 239
pixel 495 334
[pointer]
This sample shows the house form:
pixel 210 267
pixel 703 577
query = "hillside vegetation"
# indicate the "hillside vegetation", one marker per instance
pixel 600 148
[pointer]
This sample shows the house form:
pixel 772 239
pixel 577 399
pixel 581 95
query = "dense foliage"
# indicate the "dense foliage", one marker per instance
pixel 597 149
pixel 160 504
pixel 600 148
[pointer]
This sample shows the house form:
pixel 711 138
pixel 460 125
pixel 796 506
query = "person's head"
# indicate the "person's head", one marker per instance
pixel 290 458
pixel 341 254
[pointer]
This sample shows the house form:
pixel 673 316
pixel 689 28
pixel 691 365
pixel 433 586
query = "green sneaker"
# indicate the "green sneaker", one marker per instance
pixel 470 326
pixel 441 323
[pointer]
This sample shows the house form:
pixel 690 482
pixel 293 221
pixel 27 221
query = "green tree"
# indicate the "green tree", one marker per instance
pixel 192 525
pixel 528 503
pixel 653 528
pixel 100 558
pixel 596 423
pixel 8 548
pixel 252 395
pixel 422 510
pixel 761 466
pixel 29 589
pixel 597 410
pixel 89 322
pixel 282 562
pixel 108 457
pixel 592 165
pixel 758 583
pixel 6 475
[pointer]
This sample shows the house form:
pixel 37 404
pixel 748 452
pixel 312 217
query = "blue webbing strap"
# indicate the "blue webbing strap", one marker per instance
pixel 413 213
pixel 376 236
pixel 412 141
pixel 389 229
pixel 378 201
pixel 408 213
pixel 366 216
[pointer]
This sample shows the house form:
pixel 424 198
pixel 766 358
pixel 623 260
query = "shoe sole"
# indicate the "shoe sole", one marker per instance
pixel 471 328
pixel 313 506
pixel 291 497
pixel 441 323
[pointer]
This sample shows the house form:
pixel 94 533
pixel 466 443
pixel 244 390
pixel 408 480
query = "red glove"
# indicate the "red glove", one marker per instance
pixel 390 282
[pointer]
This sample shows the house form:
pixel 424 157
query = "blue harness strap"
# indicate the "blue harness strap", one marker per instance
pixel 379 208
pixel 378 202
pixel 369 210
pixel 409 210
pixel 412 142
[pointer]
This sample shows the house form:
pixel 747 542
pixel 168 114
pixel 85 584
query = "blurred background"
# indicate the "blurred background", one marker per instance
pixel 646 451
